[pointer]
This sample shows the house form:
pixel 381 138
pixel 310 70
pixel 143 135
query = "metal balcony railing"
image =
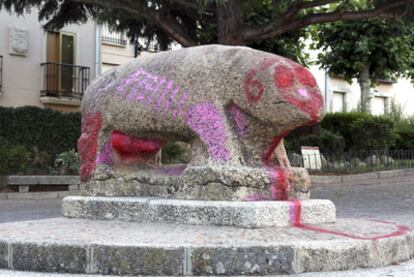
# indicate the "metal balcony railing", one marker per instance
pixel 1 72
pixel 64 80
pixel 113 37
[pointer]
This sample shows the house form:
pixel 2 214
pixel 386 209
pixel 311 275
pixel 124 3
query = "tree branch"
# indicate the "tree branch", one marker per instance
pixel 165 24
pixel 269 30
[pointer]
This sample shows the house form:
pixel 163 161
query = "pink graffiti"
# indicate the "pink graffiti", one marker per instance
pixel 105 155
pixel 154 91
pixel 207 121
pixel 239 120
pixel 180 105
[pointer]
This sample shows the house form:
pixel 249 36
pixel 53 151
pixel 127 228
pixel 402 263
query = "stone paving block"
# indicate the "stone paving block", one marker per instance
pixel 134 260
pixel 328 256
pixel 390 251
pixel 242 260
pixel 49 257
pixel 128 209
pixel 255 214
pixel 4 251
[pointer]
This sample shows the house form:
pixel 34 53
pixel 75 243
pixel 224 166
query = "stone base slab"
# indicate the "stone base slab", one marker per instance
pixel 198 212
pixel 80 246
pixel 215 182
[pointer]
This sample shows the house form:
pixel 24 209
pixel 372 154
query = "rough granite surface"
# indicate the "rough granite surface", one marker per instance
pixel 113 247
pixel 233 105
pixel 196 212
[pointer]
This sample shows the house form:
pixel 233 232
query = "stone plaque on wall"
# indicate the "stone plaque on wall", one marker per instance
pixel 18 41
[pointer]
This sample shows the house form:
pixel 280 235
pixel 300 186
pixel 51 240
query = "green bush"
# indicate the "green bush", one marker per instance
pixel 372 133
pixel 40 130
pixel 13 158
pixel 341 123
pixel 404 130
pixel 327 142
pixel 67 163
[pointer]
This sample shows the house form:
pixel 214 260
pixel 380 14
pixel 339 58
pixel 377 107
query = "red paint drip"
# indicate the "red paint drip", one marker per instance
pixel 267 157
pixel 88 144
pixel 295 219
pixel 279 187
pixel 128 145
pixel 295 212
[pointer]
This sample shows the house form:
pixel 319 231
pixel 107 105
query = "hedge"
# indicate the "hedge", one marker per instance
pixel 42 130
pixel 355 132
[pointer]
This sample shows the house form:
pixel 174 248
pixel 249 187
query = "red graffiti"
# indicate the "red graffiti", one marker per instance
pixel 267 157
pixel 307 98
pixel 88 144
pixel 253 88
pixel 129 147
pixel 283 77
pixel 305 77
pixel 279 187
pixel 295 218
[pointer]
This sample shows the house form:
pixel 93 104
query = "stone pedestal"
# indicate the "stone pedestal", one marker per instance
pixel 81 246
pixel 196 212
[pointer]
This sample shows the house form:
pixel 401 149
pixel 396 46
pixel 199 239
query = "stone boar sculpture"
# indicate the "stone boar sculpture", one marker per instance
pixel 233 105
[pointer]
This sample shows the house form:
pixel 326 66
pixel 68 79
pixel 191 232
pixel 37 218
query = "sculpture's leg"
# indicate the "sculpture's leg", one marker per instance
pixel 215 140
pixel 88 144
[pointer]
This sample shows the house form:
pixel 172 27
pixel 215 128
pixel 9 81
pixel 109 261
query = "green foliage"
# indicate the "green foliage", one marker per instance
pixel 327 142
pixel 340 123
pixel 386 46
pixel 356 132
pixel 43 130
pixel 175 152
pixel 13 158
pixel 67 163
pixel 372 133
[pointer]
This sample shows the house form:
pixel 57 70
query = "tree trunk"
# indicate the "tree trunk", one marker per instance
pixel 230 23
pixel 365 85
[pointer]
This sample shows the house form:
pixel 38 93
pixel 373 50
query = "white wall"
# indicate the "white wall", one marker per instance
pixel 22 75
pixel 401 92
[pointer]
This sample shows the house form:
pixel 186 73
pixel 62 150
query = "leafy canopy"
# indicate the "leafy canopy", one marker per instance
pixel 270 25
pixel 386 46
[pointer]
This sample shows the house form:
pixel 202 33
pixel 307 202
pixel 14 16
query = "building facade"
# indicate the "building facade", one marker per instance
pixel 53 69
pixel 45 69
pixel 340 96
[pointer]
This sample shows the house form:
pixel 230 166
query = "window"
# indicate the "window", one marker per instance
pixel 338 102
pixel 379 105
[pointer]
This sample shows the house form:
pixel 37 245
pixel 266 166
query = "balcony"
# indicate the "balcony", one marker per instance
pixel 64 83
pixel 1 73
pixel 113 38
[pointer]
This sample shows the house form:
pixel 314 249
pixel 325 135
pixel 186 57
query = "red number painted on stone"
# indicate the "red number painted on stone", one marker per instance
pixel 253 87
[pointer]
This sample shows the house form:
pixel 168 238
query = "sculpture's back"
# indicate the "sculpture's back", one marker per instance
pixel 232 104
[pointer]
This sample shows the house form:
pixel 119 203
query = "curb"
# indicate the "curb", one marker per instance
pixel 362 176
pixel 38 195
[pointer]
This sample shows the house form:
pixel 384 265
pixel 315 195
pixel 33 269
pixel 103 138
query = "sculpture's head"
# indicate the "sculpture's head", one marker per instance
pixel 282 93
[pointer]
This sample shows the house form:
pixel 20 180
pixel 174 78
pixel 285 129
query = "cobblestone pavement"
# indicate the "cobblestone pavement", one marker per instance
pixel 387 198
